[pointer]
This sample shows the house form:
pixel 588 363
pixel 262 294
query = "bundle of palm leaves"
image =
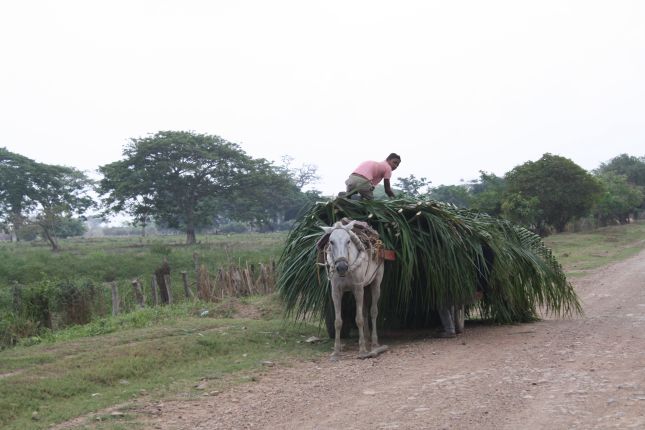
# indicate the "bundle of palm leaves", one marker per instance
pixel 443 256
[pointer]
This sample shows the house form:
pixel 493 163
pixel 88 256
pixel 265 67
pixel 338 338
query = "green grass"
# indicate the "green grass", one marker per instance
pixel 40 288
pixel 149 357
pixel 108 259
pixel 579 253
pixel 166 352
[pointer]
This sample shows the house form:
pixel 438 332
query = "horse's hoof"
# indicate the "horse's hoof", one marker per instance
pixel 379 349
pixel 366 354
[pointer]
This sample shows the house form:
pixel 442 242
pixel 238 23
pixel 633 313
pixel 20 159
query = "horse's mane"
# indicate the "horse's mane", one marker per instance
pixel 365 233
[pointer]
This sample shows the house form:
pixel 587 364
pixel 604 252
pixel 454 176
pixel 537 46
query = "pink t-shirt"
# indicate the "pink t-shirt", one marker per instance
pixel 374 171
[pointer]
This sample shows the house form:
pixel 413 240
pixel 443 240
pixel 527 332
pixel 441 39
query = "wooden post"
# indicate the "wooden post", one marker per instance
pixel 166 279
pixel 187 292
pixel 198 285
pixel 138 293
pixel 115 299
pixel 154 291
pixel 17 298
pixel 163 274
pixel 248 279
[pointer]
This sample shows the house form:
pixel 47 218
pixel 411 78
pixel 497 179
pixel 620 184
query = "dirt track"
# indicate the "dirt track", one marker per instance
pixel 583 373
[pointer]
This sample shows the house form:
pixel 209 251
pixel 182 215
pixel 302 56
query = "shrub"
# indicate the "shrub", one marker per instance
pixel 14 327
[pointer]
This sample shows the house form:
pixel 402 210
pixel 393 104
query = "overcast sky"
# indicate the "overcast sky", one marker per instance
pixel 454 87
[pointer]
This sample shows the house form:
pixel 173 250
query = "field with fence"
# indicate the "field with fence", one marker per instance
pixel 43 291
pixel 189 349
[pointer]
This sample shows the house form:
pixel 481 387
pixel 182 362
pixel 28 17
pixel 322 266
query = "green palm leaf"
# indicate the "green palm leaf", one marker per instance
pixel 440 253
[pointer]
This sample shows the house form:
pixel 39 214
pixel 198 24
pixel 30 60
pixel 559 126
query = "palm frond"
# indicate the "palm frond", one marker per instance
pixel 441 253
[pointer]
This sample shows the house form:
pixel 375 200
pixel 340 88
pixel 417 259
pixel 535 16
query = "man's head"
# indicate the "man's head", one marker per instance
pixel 393 160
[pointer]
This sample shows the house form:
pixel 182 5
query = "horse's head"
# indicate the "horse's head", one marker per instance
pixel 343 247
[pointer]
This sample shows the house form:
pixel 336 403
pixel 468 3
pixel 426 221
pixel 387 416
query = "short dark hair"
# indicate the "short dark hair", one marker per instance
pixel 393 155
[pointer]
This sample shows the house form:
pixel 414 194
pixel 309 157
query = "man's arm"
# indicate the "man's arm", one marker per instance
pixel 388 190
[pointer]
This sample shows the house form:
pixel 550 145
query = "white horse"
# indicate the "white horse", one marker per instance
pixel 353 267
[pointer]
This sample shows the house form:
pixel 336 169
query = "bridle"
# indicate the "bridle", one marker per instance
pixel 331 263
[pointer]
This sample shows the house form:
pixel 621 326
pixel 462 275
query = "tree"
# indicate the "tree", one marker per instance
pixel 413 186
pixel 182 179
pixel 633 168
pixel 524 211
pixel 16 189
pixel 50 194
pixel 563 189
pixel 61 193
pixel 307 174
pixel 455 194
pixel 618 201
pixel 487 193
pixel 279 199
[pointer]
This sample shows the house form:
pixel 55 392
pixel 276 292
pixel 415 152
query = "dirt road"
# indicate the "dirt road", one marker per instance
pixel 583 373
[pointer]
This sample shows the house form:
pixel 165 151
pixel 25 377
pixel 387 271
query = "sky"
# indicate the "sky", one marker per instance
pixel 454 87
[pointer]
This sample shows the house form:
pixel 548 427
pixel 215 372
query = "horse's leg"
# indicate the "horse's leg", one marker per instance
pixel 336 297
pixel 460 316
pixel 366 306
pixel 358 295
pixel 447 321
pixel 375 289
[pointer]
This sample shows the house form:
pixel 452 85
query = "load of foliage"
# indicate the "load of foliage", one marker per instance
pixel 443 255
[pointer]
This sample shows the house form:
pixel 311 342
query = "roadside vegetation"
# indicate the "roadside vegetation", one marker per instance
pixel 86 323
pixel 42 292
pixel 579 253
pixel 104 369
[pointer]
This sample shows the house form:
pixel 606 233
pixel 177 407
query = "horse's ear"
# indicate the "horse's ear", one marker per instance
pixel 349 226
pixel 322 242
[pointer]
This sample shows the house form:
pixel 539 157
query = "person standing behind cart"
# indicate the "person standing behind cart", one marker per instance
pixel 369 174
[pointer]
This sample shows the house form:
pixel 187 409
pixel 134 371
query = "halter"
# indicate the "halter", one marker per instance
pixel 362 255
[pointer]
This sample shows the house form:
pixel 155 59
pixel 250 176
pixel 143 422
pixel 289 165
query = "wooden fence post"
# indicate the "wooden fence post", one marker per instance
pixel 198 285
pixel 187 292
pixel 166 279
pixel 138 293
pixel 115 299
pixel 154 291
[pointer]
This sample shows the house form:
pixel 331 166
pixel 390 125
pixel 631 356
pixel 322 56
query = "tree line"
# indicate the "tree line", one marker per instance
pixel 547 194
pixel 191 181
pixel 178 179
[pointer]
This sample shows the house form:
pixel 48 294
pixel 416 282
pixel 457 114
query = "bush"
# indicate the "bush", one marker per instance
pixel 233 227
pixel 76 303
pixel 13 328
pixel 160 249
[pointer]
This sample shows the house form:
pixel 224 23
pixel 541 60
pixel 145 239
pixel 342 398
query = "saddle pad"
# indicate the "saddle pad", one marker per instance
pixel 388 254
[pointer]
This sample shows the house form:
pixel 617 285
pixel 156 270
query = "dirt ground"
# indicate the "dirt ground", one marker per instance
pixel 583 373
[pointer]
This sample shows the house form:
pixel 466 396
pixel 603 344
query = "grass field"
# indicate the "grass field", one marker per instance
pixel 109 259
pixel 189 349
pixel 580 252
pixel 156 353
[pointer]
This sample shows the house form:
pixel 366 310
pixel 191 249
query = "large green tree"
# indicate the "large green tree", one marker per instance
pixel 457 195
pixel 633 168
pixel 619 199
pixel 412 186
pixel 184 180
pixel 487 193
pixel 17 189
pixel 46 195
pixel 563 189
pixel 61 193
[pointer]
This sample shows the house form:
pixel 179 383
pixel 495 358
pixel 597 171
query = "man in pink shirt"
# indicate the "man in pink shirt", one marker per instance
pixel 368 175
